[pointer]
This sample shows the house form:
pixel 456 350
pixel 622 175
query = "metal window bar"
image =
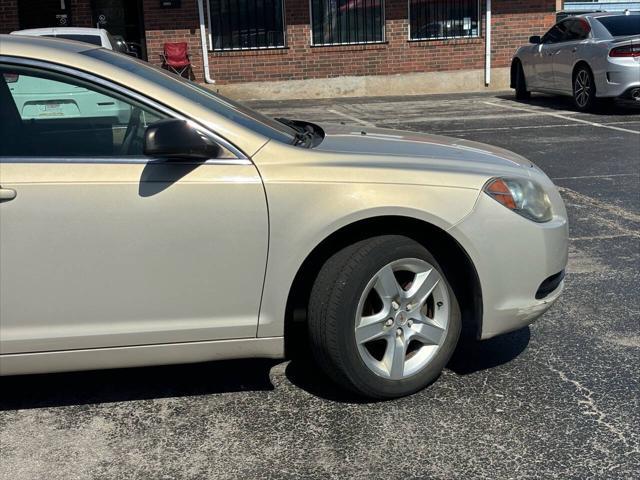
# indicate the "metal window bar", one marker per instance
pixel 444 19
pixel 247 24
pixel 346 22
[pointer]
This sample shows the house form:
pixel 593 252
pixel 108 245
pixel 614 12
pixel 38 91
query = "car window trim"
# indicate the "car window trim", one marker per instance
pixel 127 93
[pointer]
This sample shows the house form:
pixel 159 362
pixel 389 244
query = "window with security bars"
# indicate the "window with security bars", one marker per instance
pixel 247 24
pixel 437 19
pixel 340 22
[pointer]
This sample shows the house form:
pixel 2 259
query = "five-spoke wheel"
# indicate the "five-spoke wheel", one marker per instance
pixel 403 318
pixel 383 320
pixel 584 91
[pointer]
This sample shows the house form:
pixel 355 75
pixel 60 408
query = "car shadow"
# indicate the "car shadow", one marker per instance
pixel 157 176
pixel 473 356
pixel 105 386
pixel 121 385
pixel 470 356
pixel 559 102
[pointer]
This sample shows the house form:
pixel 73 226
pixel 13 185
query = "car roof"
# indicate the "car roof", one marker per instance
pixel 60 30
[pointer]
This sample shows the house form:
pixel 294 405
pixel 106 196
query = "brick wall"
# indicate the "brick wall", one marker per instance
pixel 513 22
pixel 81 13
pixel 9 16
pixel 173 25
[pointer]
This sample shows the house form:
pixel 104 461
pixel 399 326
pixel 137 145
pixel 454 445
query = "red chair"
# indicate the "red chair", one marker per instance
pixel 176 57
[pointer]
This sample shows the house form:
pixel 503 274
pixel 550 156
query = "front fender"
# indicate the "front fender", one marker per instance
pixel 302 215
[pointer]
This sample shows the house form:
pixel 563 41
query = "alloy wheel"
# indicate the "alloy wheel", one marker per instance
pixel 582 88
pixel 402 319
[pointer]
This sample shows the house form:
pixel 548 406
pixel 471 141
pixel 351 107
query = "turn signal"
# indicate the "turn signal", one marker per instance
pixel 500 192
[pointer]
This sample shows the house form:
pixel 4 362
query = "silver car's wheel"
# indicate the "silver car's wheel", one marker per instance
pixel 383 319
pixel 583 89
pixel 403 318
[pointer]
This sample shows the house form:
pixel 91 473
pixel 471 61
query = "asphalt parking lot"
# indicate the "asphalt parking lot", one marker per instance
pixel 559 399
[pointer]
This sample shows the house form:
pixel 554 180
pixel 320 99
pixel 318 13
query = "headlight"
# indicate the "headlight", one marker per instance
pixel 523 196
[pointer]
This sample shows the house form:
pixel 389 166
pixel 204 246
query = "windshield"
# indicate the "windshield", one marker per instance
pixel 621 26
pixel 229 109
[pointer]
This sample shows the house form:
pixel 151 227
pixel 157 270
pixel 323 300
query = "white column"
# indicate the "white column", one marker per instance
pixel 203 42
pixel 487 46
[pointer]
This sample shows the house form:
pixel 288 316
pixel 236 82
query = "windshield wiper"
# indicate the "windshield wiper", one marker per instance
pixel 304 134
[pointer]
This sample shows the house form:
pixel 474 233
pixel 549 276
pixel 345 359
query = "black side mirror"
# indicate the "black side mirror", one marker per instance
pixel 177 140
pixel 536 40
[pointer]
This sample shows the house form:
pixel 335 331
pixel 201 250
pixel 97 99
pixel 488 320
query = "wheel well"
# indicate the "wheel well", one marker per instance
pixel 581 63
pixel 453 259
pixel 514 71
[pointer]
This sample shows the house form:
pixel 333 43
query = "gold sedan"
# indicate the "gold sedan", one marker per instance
pixel 146 220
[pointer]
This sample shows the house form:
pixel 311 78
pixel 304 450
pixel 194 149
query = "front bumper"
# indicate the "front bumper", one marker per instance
pixel 513 257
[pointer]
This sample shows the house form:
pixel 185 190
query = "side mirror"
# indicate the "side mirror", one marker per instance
pixel 177 140
pixel 536 40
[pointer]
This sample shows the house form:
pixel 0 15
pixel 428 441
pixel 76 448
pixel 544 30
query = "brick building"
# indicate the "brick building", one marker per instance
pixel 289 48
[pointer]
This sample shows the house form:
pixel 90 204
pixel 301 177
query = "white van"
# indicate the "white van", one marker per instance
pixel 94 36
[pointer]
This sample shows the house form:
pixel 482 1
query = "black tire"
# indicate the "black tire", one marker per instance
pixel 521 84
pixel 333 309
pixel 584 89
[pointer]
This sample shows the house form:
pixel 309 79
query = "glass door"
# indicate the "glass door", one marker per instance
pixel 123 20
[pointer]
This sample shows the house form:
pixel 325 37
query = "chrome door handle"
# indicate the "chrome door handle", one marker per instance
pixel 7 194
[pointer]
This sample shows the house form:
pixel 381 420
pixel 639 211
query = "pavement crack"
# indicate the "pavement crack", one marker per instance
pixel 590 408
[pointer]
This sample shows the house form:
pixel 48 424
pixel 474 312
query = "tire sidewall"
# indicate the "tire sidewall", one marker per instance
pixel 521 83
pixel 358 373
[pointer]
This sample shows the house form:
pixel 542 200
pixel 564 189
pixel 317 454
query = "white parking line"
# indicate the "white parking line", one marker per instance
pixel 563 117
pixel 352 118
pixel 525 127
pixel 598 176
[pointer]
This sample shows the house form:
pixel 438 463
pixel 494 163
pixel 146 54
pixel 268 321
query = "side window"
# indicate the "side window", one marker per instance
pixel 556 34
pixel 51 115
pixel 577 29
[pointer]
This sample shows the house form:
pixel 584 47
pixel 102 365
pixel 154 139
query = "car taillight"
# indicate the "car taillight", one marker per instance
pixel 11 77
pixel 626 51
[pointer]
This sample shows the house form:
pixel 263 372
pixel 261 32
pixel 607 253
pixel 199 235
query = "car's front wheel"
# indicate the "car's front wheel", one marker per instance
pixel 584 89
pixel 383 320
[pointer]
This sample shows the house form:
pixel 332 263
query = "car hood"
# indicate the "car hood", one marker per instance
pixel 380 142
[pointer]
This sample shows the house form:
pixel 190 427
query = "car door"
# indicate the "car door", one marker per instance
pixel 566 52
pixel 543 58
pixel 101 246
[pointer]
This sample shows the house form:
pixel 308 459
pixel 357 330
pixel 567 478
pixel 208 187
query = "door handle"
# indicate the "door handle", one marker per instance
pixel 7 194
pixel 574 49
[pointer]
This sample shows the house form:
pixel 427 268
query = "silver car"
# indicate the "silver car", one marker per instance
pixel 588 57
pixel 183 227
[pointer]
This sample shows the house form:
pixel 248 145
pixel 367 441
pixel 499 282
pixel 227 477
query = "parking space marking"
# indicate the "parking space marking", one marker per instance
pixel 601 237
pixel 564 117
pixel 351 117
pixel 614 218
pixel 423 119
pixel 525 127
pixel 598 176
